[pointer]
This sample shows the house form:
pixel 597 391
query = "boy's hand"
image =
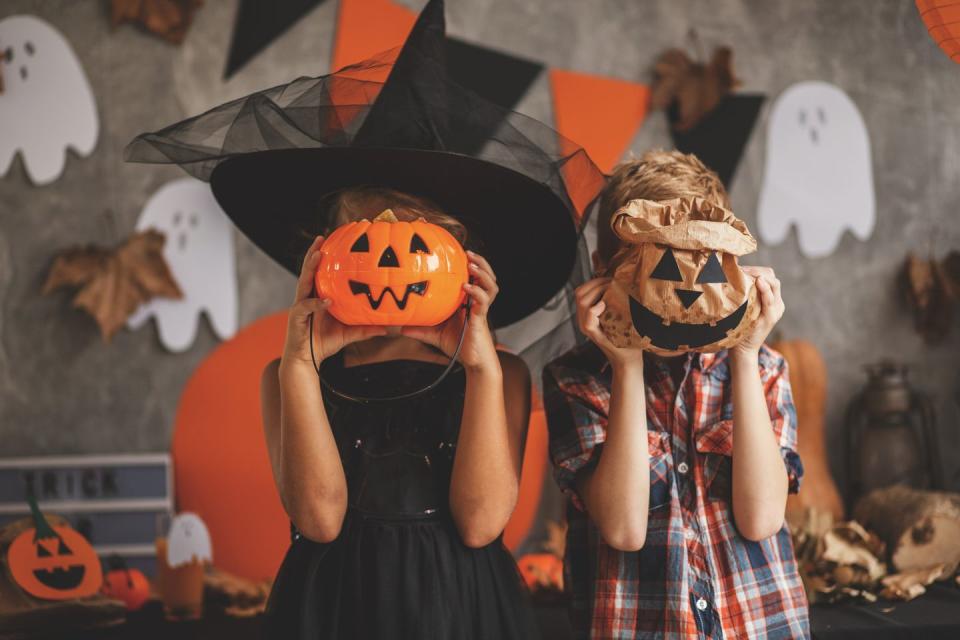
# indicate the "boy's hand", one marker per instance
pixel 771 310
pixel 589 307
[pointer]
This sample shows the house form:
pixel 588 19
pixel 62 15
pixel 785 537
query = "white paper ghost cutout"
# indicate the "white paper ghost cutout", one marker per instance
pixel 188 540
pixel 818 176
pixel 201 255
pixel 47 104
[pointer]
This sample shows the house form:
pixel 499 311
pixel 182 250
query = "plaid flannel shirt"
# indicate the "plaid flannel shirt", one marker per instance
pixel 696 576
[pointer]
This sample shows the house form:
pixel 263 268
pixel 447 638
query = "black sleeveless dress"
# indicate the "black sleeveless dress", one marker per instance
pixel 398 568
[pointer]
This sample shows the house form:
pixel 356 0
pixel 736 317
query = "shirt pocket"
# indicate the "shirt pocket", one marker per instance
pixel 715 443
pixel 661 464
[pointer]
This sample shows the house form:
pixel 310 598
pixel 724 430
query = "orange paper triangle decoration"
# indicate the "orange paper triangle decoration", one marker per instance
pixel 601 114
pixel 367 27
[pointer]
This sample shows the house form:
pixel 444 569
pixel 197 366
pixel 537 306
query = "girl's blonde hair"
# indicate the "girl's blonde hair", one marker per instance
pixel 357 203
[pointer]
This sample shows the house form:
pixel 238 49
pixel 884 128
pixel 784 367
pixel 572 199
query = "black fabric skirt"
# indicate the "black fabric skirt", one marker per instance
pixel 398 578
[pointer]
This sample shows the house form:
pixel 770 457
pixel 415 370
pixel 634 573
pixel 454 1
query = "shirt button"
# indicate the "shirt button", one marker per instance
pixel 682 467
pixel 702 604
pixel 689 534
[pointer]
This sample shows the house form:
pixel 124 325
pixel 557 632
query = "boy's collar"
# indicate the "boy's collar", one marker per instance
pixel 714 363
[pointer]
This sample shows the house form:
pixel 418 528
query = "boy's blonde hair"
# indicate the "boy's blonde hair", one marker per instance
pixel 657 175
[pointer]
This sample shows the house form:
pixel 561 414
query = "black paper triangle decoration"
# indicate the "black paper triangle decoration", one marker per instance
pixel 499 77
pixel 721 136
pixel 260 22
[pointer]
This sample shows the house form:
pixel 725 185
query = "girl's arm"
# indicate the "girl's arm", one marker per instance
pixel 760 480
pixel 486 468
pixel 303 453
pixel 496 410
pixel 616 491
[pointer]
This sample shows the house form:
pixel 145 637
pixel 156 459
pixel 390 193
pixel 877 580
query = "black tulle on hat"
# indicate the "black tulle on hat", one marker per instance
pixel 395 120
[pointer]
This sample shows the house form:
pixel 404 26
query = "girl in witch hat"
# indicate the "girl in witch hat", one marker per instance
pixel 399 467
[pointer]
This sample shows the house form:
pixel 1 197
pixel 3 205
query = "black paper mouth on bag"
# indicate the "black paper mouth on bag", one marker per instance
pixel 681 334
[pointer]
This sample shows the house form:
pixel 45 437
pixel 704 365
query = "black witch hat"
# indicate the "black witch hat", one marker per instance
pixel 273 156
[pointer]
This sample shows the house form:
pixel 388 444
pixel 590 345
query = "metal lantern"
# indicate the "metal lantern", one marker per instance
pixel 891 434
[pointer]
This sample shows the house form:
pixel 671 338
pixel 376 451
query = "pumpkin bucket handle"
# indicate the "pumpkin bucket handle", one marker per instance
pixel 403 396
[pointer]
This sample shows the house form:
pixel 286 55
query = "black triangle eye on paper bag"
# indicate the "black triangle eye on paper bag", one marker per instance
pixel 273 156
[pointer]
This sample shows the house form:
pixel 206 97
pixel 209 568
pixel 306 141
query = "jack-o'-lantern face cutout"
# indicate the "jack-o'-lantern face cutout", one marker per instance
pixel 54 562
pixel 679 287
pixel 392 273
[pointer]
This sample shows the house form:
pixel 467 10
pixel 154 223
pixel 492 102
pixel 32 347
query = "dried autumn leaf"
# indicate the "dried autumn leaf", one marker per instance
pixel 907 585
pixel 114 282
pixel 168 19
pixel 930 291
pixel 694 89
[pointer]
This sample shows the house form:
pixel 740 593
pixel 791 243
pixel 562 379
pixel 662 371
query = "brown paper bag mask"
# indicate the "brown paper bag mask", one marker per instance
pixel 678 286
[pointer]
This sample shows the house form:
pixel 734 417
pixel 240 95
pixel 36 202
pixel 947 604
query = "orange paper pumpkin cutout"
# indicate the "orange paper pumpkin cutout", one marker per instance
pixel 53 563
pixel 942 18
pixel 678 286
pixel 392 273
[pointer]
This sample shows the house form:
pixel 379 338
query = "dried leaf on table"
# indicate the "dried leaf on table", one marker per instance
pixel 910 584
pixel 236 596
pixel 168 19
pixel 848 543
pixel 114 282
pixel 837 561
pixel 694 88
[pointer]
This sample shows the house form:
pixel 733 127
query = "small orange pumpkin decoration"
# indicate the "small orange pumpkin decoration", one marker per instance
pixel 53 563
pixel 128 585
pixel 392 273
pixel 541 571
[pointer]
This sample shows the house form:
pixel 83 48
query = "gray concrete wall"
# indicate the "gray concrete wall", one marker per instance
pixel 63 391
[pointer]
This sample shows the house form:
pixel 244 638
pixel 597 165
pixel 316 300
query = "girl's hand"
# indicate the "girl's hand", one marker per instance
pixel 478 350
pixel 589 308
pixel 329 334
pixel 772 308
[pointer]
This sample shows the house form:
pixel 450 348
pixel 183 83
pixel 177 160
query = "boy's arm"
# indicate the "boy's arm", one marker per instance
pixel 616 491
pixel 759 475
pixel 760 481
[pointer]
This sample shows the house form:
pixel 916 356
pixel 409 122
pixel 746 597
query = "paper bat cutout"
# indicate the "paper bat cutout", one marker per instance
pixel 168 19
pixel 696 88
pixel 114 282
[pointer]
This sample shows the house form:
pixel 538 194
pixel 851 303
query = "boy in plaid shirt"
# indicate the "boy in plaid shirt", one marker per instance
pixel 677 468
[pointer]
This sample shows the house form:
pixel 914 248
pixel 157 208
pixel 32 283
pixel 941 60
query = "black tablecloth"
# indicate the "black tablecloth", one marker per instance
pixel 934 615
